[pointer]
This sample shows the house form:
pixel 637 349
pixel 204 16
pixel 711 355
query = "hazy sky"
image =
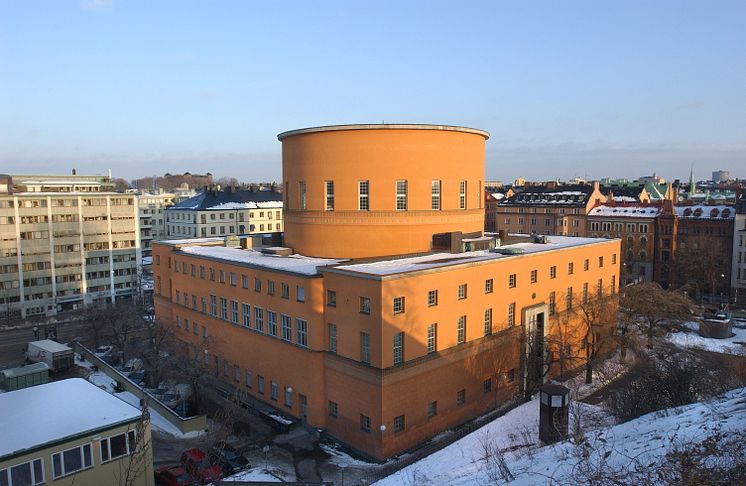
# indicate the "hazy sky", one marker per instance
pixel 566 88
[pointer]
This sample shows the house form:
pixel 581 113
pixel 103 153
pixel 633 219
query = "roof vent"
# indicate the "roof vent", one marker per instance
pixel 277 250
pixel 505 250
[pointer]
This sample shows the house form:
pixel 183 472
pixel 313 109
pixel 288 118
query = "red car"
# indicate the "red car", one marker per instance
pixel 172 475
pixel 198 466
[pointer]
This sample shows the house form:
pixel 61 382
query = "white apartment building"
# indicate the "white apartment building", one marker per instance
pixel 738 266
pixel 152 209
pixel 65 241
pixel 226 212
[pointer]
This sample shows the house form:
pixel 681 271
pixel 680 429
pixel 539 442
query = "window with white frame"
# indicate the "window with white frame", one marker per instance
pixel 72 461
pixel 288 397
pixel 287 327
pixel 432 338
pixel 224 308
pixel 301 194
pixel 272 323
pixel 246 311
pixel 401 195
pixel 488 321
pixel 432 298
pixel 259 319
pixel 300 293
pixel 28 473
pixel 435 195
pixel 363 198
pixel 398 348
pixel 398 305
pixel 461 329
pixel 234 312
pixel 365 347
pixel 488 285
pixel 511 314
pixel 462 195
pixel 332 338
pixel 461 291
pixel 365 305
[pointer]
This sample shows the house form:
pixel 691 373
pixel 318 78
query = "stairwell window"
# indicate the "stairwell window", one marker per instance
pixel 302 195
pixel 365 347
pixel 301 327
pixel 329 192
pixel 435 195
pixel 461 330
pixel 488 322
pixel 462 195
pixel 401 195
pixel 432 338
pixel 398 348
pixel 511 314
pixel 363 201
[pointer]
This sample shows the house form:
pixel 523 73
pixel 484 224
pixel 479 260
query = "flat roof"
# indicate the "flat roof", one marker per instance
pixel 440 260
pixel 51 346
pixel 383 126
pixel 299 264
pixel 25 370
pixel 46 414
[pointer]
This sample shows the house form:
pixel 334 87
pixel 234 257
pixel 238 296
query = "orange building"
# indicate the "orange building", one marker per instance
pixel 403 320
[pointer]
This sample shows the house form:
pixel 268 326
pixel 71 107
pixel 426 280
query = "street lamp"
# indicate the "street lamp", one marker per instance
pixel 342 467
pixel 265 449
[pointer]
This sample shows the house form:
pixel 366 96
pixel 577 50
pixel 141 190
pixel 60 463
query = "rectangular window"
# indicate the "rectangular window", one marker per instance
pixel 234 312
pixel 613 259
pixel 613 284
pixel 222 276
pixel 600 288
pixel 288 397
pixel 259 319
pixel 77 459
pixel 461 291
pixel 435 195
pixel 249 380
pixel 365 347
pixel 246 311
pixel 302 195
pixel 224 308
pixel 553 271
pixel 213 306
pixel 399 423
pixel 270 287
pixel 487 385
pixel 600 262
pixel 585 292
pixel 333 409
pixel 551 303
pixel 398 305
pixel 300 293
pixel 301 327
pixel 432 338
pixel 272 323
pixel 27 474
pixel 398 348
pixel 569 298
pixel 273 388
pixel 511 314
pixel 284 290
pixel 462 195
pixel 511 280
pixel 432 409
pixel 363 201
pixel 365 422
pixel 488 286
pixel 510 375
pixel 331 298
pixel 365 305
pixel 260 384
pixel 237 374
pixel 329 195
pixel 233 279
pixel 570 268
pixel 432 298
pixel 332 338
pixel 461 397
pixel 245 281
pixel 585 265
pixel 461 329
pixel 401 195
pixel 257 284
pixel 488 322
pixel 287 328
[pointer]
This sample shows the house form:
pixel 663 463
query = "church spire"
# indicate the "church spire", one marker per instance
pixel 692 185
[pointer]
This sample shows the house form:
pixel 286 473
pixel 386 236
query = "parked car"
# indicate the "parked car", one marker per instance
pixel 198 466
pixel 134 364
pixel 104 351
pixel 228 459
pixel 172 475
pixel 138 377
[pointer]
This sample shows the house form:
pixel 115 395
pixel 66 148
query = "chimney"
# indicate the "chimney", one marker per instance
pixel 74 172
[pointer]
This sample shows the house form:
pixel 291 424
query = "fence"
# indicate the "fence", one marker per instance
pixel 184 424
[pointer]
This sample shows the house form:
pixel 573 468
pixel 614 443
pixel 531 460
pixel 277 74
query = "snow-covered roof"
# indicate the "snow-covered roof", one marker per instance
pixel 246 205
pixel 498 195
pixel 51 346
pixel 196 241
pixel 625 199
pixel 50 413
pixel 706 212
pixel 439 260
pixel 293 263
pixel 625 211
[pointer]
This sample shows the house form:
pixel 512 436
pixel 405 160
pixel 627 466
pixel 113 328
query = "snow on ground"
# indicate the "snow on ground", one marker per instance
pixel 642 441
pixel 256 474
pixel 735 344
pixel 157 421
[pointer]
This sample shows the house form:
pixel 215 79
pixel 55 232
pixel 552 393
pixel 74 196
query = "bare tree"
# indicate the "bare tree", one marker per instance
pixel 596 317
pixel 140 459
pixel 699 262
pixel 652 306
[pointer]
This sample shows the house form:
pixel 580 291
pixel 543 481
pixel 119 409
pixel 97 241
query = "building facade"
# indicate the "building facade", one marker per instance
pixel 549 209
pixel 738 271
pixel 226 212
pixel 87 437
pixel 380 336
pixel 152 209
pixel 634 225
pixel 65 241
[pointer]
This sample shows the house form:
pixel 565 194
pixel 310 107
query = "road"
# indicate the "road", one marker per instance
pixel 13 341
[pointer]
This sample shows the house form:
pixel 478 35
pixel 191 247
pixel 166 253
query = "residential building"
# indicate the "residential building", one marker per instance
pixel 549 209
pixel 223 212
pixel 152 209
pixel 634 225
pixel 693 248
pixel 65 241
pixel 388 317
pixel 72 432
pixel 738 271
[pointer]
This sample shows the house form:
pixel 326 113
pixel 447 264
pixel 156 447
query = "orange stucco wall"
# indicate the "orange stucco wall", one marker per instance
pixel 381 156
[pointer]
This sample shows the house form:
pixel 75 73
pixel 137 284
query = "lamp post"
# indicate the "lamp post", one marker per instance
pixel 342 467
pixel 265 450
